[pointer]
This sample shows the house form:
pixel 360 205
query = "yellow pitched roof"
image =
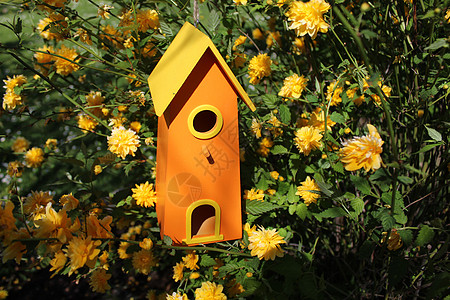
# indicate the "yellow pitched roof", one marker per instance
pixel 178 62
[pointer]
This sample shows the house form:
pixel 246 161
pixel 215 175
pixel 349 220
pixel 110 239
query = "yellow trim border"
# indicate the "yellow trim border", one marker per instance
pixel 210 133
pixel 203 239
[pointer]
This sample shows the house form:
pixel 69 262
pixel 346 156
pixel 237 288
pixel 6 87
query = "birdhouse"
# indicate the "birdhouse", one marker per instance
pixel 195 96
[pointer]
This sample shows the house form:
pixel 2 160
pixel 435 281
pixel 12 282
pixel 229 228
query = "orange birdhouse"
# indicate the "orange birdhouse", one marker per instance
pixel 197 163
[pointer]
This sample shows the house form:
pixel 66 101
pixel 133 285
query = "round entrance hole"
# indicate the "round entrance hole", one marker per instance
pixel 204 121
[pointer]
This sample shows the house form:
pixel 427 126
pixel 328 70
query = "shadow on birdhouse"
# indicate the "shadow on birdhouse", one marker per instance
pixel 195 95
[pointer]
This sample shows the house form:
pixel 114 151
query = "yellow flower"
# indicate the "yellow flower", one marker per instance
pixel 149 141
pixel 103 11
pixel 123 142
pixel 249 230
pixel 259 67
pixel 58 262
pixel 394 242
pixel 264 146
pixel 363 152
pixel 239 41
pixel 305 191
pixel 15 168
pixel 69 202
pixel 97 169
pixel 7 220
pixel 15 250
pixel 254 195
pixel 99 280
pixel 146 244
pixel 147 19
pixel 66 61
pixel 307 17
pixel 34 157
pixel 265 243
pixel 16 81
pixel 51 143
pixel 86 123
pixel 210 291
pixel 35 203
pixel 386 91
pixel 257 34
pixel 99 228
pixel 4 294
pixel 334 94
pixel 176 296
pixel 143 261
pixel 144 194
pixel 82 251
pixel 234 288
pixel 11 100
pixel 49 29
pixel 351 95
pixel 95 100
pixel 307 138
pixel 240 2
pixel 194 275
pixel 178 271
pixel 293 86
pixel 21 144
pixel 256 128
pixel 135 126
pixel 55 225
pixel 84 36
pixel 300 46
pixel 44 58
pixel 317 120
pixel 113 36
pixel 122 251
pixel 272 38
pixel 190 261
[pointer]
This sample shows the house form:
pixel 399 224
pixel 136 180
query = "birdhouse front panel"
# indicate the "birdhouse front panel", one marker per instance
pixel 200 194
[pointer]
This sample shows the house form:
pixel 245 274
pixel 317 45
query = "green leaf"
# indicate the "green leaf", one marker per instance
pixel 434 134
pixel 167 240
pixel 425 235
pixel 279 149
pixel 214 21
pixel 292 209
pixel 361 184
pixel 324 187
pixel 207 261
pixel 405 179
pixel 311 99
pixel 387 220
pixel 270 100
pixel 291 196
pixel 256 207
pixel 301 211
pixel 439 43
pixel 337 117
pixel 165 29
pixel 72 161
pixel 428 148
pixel 333 212
pixel 285 114
pixel 358 205
pixel 406 236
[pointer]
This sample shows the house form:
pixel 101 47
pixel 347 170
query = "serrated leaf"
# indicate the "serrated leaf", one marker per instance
pixel 292 209
pixel 358 205
pixel 165 29
pixel 434 134
pixel 270 100
pixel 425 235
pixel 406 236
pixel 387 221
pixel 401 218
pixel 256 207
pixel 167 240
pixel 214 21
pixel 279 149
pixel 285 114
pixel 324 187
pixel 333 212
pixel 337 117
pixel 291 196
pixel 228 268
pixel 301 211
pixel 361 184
pixel 405 179
pixel 207 261
pixel 428 148
pixel 439 43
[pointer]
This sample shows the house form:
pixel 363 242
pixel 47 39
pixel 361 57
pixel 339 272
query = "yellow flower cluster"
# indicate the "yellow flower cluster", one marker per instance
pixel 307 17
pixel 264 146
pixel 293 86
pixel 265 243
pixel 363 152
pixel 123 142
pixel 144 194
pixel 307 139
pixel 308 190
pixel 11 99
pixel 259 68
pixel 210 291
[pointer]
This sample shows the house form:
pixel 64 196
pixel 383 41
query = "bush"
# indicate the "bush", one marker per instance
pixel 344 164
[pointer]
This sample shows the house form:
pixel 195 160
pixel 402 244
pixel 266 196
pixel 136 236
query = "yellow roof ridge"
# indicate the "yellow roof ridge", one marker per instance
pixel 177 63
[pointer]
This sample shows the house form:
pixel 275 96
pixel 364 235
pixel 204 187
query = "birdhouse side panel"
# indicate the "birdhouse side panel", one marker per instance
pixel 161 169
pixel 203 154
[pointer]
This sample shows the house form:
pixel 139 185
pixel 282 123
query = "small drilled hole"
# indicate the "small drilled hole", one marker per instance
pixel 204 121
